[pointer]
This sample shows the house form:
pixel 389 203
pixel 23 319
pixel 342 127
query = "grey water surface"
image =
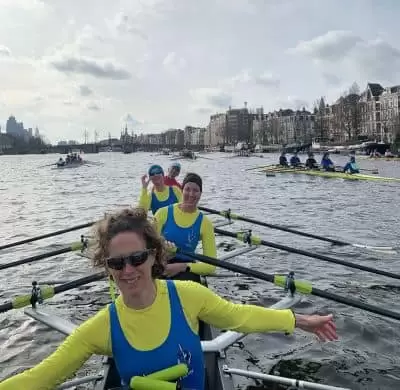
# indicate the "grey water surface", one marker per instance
pixel 36 200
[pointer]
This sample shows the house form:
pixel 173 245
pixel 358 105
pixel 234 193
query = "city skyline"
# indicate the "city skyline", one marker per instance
pixel 73 66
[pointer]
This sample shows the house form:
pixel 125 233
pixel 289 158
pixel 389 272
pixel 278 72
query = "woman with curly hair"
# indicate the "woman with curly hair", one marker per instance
pixel 149 325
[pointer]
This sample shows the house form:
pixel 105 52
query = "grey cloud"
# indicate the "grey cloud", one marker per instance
pixel 331 79
pixel 93 107
pixel 331 46
pixel 208 99
pixel 84 90
pixel 103 69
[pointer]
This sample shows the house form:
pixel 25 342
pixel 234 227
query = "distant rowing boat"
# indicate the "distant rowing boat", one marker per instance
pixel 70 165
pixel 336 175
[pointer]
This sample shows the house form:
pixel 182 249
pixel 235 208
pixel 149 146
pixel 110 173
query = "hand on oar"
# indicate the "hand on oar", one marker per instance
pixel 322 326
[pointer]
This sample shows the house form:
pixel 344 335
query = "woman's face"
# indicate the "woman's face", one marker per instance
pixel 157 180
pixel 191 194
pixel 131 280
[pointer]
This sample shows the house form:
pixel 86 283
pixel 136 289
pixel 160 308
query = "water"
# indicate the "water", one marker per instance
pixel 39 200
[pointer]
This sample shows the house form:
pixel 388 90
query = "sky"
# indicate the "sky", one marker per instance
pixel 69 65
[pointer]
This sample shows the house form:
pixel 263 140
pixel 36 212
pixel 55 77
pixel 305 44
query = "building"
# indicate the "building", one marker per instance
pixel 238 125
pixel 216 130
pixel 194 136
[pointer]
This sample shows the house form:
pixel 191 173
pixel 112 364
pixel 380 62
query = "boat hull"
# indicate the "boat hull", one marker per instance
pixel 336 175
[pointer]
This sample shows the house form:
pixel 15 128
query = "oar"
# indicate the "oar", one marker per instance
pixel 71 248
pixel 260 167
pixel 304 287
pixel 48 292
pixel 47 165
pixel 47 235
pixel 228 214
pixel 248 238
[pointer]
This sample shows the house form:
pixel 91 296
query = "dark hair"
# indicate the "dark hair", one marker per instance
pixel 193 178
pixel 129 220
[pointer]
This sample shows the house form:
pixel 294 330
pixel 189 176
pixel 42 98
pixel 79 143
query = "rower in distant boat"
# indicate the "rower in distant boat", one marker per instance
pixel 295 161
pixel 184 225
pixel 351 166
pixel 327 164
pixel 154 324
pixel 60 162
pixel 173 172
pixel 161 195
pixel 283 160
pixel 311 162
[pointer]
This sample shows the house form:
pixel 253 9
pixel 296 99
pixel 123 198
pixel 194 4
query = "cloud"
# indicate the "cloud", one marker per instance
pixel 250 78
pixel 93 107
pixel 4 51
pixel 331 79
pixel 267 80
pixel 129 119
pixel 349 54
pixel 102 69
pixel 209 99
pixel 173 63
pixel 126 24
pixel 84 90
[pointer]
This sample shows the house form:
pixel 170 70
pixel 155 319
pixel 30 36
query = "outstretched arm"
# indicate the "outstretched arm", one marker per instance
pixel 88 339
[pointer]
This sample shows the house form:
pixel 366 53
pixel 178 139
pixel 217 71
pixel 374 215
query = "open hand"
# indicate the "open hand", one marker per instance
pixel 145 181
pixel 322 326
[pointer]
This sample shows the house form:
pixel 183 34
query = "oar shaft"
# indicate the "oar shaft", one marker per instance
pixel 48 292
pixel 42 256
pixel 313 255
pixel 43 236
pixel 276 227
pixel 311 290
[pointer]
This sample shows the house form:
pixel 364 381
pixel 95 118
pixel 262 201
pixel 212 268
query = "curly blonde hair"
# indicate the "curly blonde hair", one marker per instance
pixel 129 220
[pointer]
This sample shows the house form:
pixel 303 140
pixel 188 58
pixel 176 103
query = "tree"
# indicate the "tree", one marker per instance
pixel 354 89
pixel 321 127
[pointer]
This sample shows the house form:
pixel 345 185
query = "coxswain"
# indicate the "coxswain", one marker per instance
pixel 283 160
pixel 173 172
pixel 327 164
pixel 161 195
pixel 351 166
pixel 183 225
pixel 311 162
pixel 153 323
pixel 295 160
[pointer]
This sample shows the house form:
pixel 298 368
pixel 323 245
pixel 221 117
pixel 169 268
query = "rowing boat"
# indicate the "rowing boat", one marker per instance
pixel 335 175
pixel 70 165
pixel 214 345
pixel 218 375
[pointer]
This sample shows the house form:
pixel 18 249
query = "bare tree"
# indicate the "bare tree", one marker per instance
pixel 354 89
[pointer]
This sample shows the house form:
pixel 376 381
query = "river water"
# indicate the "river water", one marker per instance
pixel 36 200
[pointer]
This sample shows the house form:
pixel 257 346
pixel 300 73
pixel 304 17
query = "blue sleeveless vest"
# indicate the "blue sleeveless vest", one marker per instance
pixel 181 346
pixel 185 238
pixel 158 204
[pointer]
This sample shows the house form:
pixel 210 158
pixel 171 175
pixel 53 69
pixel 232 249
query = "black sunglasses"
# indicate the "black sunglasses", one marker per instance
pixel 135 259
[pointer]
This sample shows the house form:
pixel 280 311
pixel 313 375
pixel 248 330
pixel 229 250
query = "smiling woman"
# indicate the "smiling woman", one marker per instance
pixel 184 225
pixel 154 324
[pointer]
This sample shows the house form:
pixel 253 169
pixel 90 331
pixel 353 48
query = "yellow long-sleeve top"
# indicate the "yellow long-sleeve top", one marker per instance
pixel 147 329
pixel 145 196
pixel 207 235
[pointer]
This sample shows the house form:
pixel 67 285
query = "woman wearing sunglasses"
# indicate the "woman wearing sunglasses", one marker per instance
pixel 161 195
pixel 154 323
pixel 183 225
